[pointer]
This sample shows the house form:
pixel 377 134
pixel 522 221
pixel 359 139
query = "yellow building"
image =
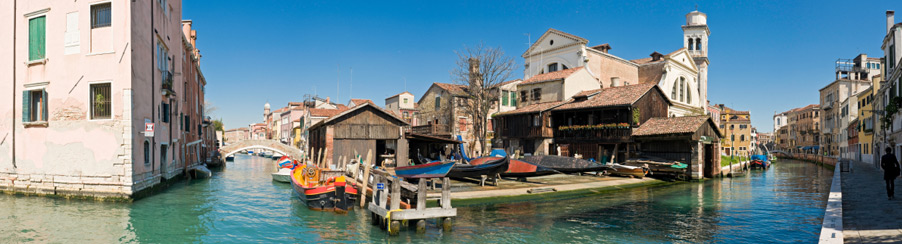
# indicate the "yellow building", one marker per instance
pixel 866 121
pixel 736 127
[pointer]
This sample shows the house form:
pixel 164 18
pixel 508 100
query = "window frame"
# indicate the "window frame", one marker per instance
pixel 28 18
pixel 91 14
pixel 537 94
pixel 91 100
pixel 44 112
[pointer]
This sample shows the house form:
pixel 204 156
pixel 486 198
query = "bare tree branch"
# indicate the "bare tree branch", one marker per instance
pixel 481 69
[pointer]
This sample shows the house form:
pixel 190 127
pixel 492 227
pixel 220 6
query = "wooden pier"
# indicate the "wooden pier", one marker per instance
pixel 385 207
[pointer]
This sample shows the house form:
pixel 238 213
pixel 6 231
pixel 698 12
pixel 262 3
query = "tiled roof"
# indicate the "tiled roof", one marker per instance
pixel 651 72
pixel 280 110
pixel 360 101
pixel 506 82
pixel 321 112
pixel 601 47
pixel 668 125
pixel 613 96
pixel 457 90
pixel 532 108
pixel 557 75
pixel 341 107
pixel 398 95
pixel 728 110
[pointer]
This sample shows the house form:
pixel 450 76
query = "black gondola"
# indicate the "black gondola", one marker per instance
pixel 566 165
pixel 490 168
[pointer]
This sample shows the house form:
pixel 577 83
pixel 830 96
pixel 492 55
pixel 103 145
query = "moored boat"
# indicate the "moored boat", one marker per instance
pixel 489 168
pixel 436 169
pixel 517 168
pixel 627 170
pixel 283 175
pixel 331 194
pixel 566 164
pixel 230 158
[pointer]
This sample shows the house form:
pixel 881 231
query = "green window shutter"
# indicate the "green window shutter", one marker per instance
pixel 44 102
pixel 36 38
pixel 504 98
pixel 514 99
pixel 26 100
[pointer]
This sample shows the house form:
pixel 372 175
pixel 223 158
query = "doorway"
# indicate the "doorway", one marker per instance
pixel 711 167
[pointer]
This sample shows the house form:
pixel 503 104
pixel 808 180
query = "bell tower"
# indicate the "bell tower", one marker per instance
pixel 695 39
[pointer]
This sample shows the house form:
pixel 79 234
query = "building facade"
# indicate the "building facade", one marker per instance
pixel 736 128
pixel 102 70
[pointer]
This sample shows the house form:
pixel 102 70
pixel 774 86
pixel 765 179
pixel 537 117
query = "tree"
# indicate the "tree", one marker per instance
pixel 480 69
pixel 209 108
pixel 217 125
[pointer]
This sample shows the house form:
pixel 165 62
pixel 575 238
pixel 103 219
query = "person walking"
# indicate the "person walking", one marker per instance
pixel 890 171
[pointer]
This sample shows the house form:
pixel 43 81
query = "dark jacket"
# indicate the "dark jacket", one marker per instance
pixel 890 166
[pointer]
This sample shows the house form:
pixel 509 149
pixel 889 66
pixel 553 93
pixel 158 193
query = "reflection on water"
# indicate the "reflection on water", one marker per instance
pixel 242 204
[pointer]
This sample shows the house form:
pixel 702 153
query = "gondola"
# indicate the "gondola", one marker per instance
pixel 489 168
pixel 517 168
pixel 566 165
pixel 436 169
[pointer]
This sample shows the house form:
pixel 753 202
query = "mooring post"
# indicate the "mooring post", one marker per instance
pixel 421 195
pixel 366 178
pixel 395 192
pixel 446 193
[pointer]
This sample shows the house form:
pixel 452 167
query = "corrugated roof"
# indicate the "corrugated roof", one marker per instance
pixel 550 76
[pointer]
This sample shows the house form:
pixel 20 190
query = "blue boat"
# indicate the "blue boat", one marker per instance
pixel 759 161
pixel 437 169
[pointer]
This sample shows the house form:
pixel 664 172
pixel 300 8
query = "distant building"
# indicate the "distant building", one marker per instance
pixel 852 76
pixel 404 106
pixel 736 128
pixel 236 135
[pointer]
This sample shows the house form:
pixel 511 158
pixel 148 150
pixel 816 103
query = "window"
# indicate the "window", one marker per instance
pixel 406 115
pixel 536 94
pixel 438 102
pixel 673 92
pixel 552 67
pixel 167 110
pixel 146 152
pixel 524 95
pixel 682 89
pixel 691 44
pixel 514 99
pixel 405 100
pixel 100 101
pixel 741 137
pixel 892 59
pixel 164 6
pixel 504 98
pixel 688 94
pixel 732 137
pixel 563 67
pixel 101 15
pixel 34 103
pixel 536 121
pixel 698 44
pixel 37 38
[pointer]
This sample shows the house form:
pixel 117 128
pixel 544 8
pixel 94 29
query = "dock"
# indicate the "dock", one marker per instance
pixel 467 192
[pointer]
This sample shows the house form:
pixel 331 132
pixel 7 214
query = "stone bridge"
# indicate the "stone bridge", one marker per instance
pixel 272 145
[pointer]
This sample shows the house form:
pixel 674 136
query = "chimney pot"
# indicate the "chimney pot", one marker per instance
pixel 890 21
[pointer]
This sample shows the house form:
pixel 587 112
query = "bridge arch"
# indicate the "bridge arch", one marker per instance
pixel 272 145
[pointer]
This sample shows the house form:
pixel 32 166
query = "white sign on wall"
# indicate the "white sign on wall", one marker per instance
pixel 148 128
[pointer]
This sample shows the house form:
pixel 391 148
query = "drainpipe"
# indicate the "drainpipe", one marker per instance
pixel 13 96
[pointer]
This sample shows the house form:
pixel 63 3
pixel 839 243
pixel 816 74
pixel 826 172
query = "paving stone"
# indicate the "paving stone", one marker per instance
pixel 868 216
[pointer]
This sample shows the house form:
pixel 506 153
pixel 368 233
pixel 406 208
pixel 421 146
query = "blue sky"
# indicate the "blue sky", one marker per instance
pixel 766 56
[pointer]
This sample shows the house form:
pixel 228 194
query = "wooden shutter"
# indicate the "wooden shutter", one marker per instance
pixel 514 99
pixel 36 38
pixel 26 102
pixel 504 97
pixel 44 102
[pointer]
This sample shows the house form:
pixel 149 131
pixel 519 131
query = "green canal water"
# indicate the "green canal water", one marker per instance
pixel 241 204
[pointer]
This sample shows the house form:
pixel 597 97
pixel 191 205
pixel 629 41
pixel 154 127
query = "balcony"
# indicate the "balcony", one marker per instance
pixel 432 129
pixel 167 83
pixel 613 134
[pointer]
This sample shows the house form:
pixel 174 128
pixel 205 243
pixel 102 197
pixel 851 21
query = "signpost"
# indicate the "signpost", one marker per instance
pixel 380 186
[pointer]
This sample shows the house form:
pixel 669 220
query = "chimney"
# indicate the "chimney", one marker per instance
pixel 604 47
pixel 889 20
pixel 475 76
pixel 328 100
pixel 655 56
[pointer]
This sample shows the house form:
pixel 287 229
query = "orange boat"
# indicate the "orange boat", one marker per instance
pixel 331 194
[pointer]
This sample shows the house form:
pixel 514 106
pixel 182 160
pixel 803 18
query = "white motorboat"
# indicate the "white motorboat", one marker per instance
pixel 284 175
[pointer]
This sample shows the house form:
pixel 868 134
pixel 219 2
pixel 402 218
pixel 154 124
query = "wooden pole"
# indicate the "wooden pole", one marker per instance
pixel 366 177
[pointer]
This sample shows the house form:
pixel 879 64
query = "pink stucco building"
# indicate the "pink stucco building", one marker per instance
pixel 80 80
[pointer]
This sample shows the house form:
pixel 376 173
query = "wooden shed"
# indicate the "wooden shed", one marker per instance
pixel 359 129
pixel 693 140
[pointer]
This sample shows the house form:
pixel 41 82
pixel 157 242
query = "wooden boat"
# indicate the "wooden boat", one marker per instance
pixel 437 169
pixel 660 166
pixel 230 158
pixel 333 193
pixel 629 171
pixel 517 168
pixel 200 172
pixel 566 165
pixel 283 175
pixel 759 162
pixel 488 168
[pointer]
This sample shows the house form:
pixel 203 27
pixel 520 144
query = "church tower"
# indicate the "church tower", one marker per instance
pixel 695 39
pixel 265 111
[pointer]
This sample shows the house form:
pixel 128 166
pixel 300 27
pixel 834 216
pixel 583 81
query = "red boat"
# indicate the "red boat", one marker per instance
pixel 331 194
pixel 516 168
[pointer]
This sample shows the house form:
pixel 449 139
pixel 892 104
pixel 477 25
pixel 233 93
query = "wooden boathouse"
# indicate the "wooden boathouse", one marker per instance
pixel 693 140
pixel 362 128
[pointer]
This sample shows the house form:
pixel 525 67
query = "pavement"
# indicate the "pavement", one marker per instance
pixel 867 215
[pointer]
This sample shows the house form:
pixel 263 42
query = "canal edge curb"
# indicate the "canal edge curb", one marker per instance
pixel 832 229
pixel 558 195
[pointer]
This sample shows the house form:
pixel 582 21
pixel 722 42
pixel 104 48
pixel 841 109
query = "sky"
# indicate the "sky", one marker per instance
pixel 765 56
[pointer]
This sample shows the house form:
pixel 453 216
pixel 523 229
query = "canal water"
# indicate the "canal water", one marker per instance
pixel 241 204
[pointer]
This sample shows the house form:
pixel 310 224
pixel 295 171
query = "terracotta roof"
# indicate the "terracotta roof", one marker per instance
pixel 296 120
pixel 237 129
pixel 505 83
pixel 602 47
pixel 341 106
pixel 651 72
pixel 346 112
pixel 295 103
pixel 321 112
pixel 360 101
pixel 398 95
pixel 613 96
pixel 728 110
pixel 675 125
pixel 551 76
pixel 457 90
pixel 280 110
pixel 532 108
